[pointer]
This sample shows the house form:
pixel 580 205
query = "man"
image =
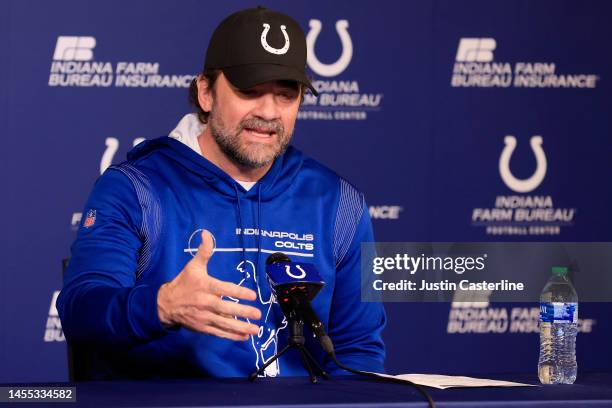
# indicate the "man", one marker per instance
pixel 143 287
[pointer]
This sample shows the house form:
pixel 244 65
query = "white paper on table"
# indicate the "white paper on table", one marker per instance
pixel 443 382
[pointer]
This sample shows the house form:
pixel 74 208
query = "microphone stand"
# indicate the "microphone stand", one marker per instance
pixel 297 341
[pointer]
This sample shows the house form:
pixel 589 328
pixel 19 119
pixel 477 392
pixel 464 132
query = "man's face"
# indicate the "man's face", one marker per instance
pixel 253 127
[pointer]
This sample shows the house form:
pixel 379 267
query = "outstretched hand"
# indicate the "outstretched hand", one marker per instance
pixel 193 300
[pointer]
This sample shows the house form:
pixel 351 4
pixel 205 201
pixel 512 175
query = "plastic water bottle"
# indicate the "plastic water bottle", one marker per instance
pixel 558 329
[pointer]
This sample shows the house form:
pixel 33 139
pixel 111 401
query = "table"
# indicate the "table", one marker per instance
pixel 590 390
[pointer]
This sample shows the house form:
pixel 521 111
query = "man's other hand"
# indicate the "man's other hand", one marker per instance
pixel 193 300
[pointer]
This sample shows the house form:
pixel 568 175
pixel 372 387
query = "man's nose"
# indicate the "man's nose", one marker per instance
pixel 267 107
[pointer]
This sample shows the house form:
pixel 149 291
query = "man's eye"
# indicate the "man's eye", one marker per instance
pixel 289 94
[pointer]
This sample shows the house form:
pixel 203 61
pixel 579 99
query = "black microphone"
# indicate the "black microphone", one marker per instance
pixel 295 285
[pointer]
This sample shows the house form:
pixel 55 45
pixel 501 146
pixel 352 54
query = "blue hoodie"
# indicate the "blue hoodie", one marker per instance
pixel 142 224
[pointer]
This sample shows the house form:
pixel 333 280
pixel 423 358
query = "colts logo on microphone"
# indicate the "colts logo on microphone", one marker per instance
pixel 285 272
pixel 301 272
pixel 286 277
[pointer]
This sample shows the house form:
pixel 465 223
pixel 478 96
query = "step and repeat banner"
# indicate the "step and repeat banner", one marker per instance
pixel 471 121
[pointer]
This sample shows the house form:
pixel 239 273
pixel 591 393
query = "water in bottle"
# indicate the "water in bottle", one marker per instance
pixel 558 329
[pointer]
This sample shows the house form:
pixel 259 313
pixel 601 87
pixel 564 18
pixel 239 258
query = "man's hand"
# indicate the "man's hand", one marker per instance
pixel 193 300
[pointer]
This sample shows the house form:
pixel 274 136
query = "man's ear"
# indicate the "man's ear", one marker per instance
pixel 205 94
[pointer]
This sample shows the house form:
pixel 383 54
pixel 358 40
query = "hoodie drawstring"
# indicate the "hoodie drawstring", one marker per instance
pixel 241 224
pixel 259 223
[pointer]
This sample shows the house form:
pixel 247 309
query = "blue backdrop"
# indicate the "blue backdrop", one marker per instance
pixel 420 103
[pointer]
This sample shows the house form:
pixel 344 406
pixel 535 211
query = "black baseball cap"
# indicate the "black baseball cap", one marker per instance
pixel 258 45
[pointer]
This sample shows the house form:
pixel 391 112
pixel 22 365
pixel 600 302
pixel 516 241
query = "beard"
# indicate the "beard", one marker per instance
pixel 247 154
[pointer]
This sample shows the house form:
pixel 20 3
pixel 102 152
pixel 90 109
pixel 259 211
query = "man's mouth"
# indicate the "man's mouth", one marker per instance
pixel 260 132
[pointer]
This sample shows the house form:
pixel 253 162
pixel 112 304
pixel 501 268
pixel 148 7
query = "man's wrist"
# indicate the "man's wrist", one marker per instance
pixel 162 306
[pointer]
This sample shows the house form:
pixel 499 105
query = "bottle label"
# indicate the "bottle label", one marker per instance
pixel 558 312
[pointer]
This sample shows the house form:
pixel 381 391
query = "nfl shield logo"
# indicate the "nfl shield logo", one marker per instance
pixel 90 220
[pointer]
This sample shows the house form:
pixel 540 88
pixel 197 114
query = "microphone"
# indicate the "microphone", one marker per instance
pixel 295 284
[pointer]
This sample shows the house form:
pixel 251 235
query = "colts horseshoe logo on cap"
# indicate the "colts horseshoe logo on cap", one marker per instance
pixel 272 50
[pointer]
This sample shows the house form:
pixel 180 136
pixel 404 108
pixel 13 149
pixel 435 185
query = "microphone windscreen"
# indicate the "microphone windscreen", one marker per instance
pixel 277 257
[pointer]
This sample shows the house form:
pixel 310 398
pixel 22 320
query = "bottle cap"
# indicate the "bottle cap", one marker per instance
pixel 559 270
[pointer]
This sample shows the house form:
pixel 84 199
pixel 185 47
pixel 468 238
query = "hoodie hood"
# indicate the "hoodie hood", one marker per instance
pixel 179 147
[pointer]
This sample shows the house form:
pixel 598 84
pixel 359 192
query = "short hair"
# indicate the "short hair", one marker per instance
pixel 211 76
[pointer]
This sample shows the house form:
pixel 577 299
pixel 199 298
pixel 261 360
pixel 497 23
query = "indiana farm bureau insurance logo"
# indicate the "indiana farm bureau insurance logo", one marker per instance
pixel 74 65
pixel 340 98
pixel 485 318
pixel 519 213
pixel 475 67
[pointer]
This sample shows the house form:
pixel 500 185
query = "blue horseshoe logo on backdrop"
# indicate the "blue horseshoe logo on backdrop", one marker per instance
pixel 528 184
pixel 329 70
